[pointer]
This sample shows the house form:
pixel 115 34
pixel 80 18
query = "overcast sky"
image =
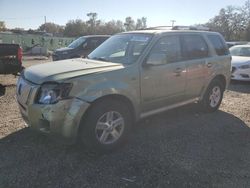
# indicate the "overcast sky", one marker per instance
pixel 30 13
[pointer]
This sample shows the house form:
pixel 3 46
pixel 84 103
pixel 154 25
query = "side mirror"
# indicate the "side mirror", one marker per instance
pixel 156 59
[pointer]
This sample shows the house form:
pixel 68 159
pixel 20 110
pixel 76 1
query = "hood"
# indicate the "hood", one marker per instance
pixel 60 50
pixel 60 70
pixel 239 60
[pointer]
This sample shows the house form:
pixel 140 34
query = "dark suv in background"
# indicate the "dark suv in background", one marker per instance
pixel 80 47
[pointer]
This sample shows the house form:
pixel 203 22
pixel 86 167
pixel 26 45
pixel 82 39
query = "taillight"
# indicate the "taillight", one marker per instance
pixel 19 54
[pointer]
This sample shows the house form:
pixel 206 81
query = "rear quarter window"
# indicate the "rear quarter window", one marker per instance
pixel 218 44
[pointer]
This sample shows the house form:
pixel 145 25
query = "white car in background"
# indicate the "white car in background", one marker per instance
pixel 240 62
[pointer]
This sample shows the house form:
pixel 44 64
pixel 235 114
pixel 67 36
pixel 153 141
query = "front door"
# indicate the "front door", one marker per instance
pixel 163 75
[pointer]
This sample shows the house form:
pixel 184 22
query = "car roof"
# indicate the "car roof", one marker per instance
pixel 242 45
pixel 95 36
pixel 237 42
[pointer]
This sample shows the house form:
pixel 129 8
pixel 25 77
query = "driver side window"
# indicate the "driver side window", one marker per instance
pixel 166 50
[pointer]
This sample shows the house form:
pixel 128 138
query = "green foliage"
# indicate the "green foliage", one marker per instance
pixel 232 22
pixel 75 28
pixel 129 24
pixel 141 23
pixel 94 26
pixel 2 26
pixel 51 28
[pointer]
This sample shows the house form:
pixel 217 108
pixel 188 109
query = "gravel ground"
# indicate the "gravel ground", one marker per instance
pixel 178 148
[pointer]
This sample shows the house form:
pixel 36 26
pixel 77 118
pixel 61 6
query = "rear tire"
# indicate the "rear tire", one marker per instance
pixel 106 126
pixel 213 96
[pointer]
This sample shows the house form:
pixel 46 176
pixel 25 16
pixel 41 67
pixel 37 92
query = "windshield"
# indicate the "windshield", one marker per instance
pixel 240 51
pixel 122 48
pixel 77 42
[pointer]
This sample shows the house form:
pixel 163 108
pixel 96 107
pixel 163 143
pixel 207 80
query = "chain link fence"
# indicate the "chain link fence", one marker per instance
pixel 28 41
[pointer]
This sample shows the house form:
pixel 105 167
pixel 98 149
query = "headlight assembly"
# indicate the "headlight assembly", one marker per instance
pixel 51 93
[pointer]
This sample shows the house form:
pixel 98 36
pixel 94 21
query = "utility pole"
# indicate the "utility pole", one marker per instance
pixel 45 23
pixel 173 21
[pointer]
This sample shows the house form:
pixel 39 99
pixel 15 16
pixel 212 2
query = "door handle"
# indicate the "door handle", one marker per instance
pixel 209 64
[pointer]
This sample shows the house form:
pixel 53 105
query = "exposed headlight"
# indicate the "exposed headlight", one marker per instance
pixel 247 66
pixel 51 93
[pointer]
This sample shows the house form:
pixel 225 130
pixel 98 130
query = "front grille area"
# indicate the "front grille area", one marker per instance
pixel 25 92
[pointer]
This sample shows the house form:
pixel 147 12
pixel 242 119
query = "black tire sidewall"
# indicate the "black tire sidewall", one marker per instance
pixel 87 131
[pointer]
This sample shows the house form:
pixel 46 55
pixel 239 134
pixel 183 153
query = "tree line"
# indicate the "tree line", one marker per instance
pixel 93 25
pixel 232 22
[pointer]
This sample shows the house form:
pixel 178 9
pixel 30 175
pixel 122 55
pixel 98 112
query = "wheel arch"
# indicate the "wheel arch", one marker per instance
pixel 220 78
pixel 120 98
pixel 117 97
pixel 205 104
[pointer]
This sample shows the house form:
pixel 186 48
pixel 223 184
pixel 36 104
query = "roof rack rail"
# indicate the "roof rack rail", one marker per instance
pixel 159 28
pixel 199 28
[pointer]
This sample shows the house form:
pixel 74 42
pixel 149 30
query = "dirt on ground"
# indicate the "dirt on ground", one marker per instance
pixel 178 148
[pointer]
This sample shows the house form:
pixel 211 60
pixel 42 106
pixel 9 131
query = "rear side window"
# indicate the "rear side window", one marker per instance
pixel 219 46
pixel 194 47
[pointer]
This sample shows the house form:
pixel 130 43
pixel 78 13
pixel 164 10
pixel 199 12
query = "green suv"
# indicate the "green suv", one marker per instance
pixel 130 76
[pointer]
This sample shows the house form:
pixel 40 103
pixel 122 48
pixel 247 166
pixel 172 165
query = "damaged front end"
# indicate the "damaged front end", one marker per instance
pixel 50 109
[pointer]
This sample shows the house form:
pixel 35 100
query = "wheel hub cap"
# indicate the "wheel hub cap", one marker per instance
pixel 215 96
pixel 109 127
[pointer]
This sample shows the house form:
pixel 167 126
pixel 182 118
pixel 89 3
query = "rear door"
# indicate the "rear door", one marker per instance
pixel 220 61
pixel 195 53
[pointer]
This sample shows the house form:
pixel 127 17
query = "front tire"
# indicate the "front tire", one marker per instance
pixel 106 126
pixel 213 96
